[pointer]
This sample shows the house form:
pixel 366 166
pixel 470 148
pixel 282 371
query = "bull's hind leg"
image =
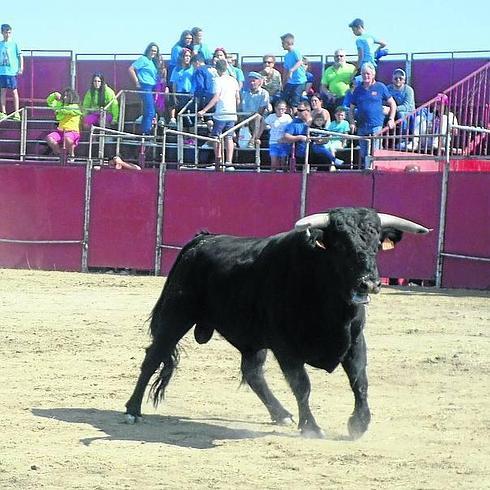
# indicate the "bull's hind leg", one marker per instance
pixel 162 352
pixel 299 382
pixel 354 365
pixel 253 374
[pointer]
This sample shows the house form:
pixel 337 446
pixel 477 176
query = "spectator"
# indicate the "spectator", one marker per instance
pixel 369 98
pixel 99 95
pixel 297 132
pixel 198 46
pixel 335 80
pixel 402 93
pixel 162 90
pixel 202 81
pixel 339 125
pixel 310 78
pixel 277 122
pixel 365 43
pixel 181 80
pixel 294 72
pixel 226 99
pixel 255 100
pixel 11 65
pixel 185 41
pixel 66 106
pixel 272 78
pixel 231 58
pixel 317 108
pixel 145 74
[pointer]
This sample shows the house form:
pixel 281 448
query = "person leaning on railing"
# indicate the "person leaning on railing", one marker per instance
pixel 98 96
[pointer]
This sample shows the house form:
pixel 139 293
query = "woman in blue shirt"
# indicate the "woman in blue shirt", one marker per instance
pixel 145 74
pixel 181 80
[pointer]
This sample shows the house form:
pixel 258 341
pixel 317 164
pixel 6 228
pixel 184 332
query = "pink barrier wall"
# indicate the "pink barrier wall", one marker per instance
pixel 246 204
pixel 41 203
pixel 468 230
pixel 123 219
pixel 415 196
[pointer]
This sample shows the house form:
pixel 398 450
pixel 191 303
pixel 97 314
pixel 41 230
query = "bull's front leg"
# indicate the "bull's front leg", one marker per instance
pixel 354 365
pixel 299 382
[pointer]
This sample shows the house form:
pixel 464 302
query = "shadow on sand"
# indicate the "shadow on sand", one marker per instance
pixel 177 431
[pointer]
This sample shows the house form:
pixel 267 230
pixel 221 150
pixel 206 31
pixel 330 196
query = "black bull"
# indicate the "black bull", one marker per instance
pixel 300 294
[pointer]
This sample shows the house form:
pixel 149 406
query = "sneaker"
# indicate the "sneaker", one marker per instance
pixel 338 162
pixel 173 121
pixel 333 168
pixel 161 122
pixel 190 141
pixel 207 145
pixel 2 115
pixel 16 117
pixel 229 167
pixel 138 120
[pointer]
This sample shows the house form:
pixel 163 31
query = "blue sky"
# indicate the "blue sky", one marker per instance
pixel 249 28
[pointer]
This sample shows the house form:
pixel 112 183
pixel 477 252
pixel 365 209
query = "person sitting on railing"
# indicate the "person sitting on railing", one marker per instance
pixel 277 122
pixel 185 41
pixel 272 78
pixel 297 132
pixel 11 65
pixel 255 100
pixel 226 99
pixel 369 98
pixel 365 43
pixel 335 81
pixel 98 96
pixel 66 106
pixel 404 98
pixel 145 74
pixel 181 80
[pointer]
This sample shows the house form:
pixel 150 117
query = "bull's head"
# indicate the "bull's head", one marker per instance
pixel 352 237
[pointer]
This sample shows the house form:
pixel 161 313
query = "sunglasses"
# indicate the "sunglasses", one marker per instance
pixel 339 56
pixel 303 110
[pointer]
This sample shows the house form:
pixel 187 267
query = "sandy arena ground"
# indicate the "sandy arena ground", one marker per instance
pixel 71 346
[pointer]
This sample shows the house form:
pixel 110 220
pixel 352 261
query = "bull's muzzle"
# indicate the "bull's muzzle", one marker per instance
pixel 365 287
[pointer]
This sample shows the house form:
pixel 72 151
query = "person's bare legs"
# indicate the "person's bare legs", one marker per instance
pixel 15 96
pixel 229 148
pixel 53 145
pixel 3 100
pixel 70 147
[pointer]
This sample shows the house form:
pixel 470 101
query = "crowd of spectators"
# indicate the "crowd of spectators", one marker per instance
pixel 289 101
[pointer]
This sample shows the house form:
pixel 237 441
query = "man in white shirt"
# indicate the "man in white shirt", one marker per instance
pixel 226 99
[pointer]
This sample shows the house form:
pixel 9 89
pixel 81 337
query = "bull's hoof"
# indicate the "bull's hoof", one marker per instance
pixel 356 427
pixel 284 421
pixel 312 433
pixel 131 419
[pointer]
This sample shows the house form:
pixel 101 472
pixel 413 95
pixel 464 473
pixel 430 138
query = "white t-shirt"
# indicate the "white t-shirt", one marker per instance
pixel 227 88
pixel 277 125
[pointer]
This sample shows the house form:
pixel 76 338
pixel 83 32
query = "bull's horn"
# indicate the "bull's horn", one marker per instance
pixel 402 224
pixel 319 220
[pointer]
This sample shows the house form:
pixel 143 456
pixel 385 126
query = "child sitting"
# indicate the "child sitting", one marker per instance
pixel 68 114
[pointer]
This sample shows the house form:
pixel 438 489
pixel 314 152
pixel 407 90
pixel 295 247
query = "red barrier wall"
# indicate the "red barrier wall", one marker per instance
pixel 467 230
pixel 415 196
pixel 246 204
pixel 123 219
pixel 41 203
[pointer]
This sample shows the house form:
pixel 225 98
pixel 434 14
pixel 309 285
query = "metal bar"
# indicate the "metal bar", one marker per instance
pixel 40 242
pixel 86 215
pixel 160 204
pixel 468 257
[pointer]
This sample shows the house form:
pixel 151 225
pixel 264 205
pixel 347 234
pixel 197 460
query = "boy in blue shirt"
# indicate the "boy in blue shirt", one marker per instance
pixel 367 52
pixel 294 76
pixel 11 65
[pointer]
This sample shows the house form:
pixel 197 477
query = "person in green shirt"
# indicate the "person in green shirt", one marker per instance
pixel 335 81
pixel 99 95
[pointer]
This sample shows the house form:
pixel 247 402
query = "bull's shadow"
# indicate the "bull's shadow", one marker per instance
pixel 177 431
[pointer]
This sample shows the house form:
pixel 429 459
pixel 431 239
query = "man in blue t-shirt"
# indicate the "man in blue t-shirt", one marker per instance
pixel 368 98
pixel 294 75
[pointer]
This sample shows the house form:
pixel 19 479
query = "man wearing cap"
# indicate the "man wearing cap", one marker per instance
pixel 366 45
pixel 255 100
pixel 402 93
pixel 335 81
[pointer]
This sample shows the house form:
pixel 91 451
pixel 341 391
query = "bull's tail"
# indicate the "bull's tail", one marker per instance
pixel 167 367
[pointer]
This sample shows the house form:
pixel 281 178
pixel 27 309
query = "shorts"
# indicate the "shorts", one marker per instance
pixel 221 127
pixel 93 119
pixel 8 81
pixel 280 150
pixel 57 136
pixel 292 93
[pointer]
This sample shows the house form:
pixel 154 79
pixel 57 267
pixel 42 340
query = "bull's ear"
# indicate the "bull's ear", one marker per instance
pixel 316 239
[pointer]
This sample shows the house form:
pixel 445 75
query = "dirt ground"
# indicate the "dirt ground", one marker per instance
pixel 71 345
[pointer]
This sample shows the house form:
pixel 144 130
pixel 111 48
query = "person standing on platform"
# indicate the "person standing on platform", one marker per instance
pixel 294 72
pixel 11 65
